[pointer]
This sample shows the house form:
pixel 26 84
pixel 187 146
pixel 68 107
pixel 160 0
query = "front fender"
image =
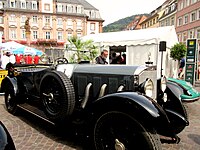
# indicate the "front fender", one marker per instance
pixel 13 81
pixel 142 108
pixel 174 102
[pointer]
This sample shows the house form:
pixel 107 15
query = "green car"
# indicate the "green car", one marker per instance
pixel 187 92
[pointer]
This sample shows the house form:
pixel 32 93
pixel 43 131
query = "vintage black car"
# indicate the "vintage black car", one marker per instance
pixel 120 107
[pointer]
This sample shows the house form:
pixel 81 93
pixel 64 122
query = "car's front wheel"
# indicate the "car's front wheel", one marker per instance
pixel 119 131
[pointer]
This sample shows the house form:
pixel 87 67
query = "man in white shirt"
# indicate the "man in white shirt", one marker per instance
pixel 5 60
pixel 12 58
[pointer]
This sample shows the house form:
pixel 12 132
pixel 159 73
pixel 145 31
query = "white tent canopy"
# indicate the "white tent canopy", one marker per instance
pixel 140 44
pixel 12 45
pixel 135 37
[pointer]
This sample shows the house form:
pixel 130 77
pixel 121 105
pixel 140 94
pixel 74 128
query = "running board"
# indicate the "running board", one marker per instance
pixel 35 111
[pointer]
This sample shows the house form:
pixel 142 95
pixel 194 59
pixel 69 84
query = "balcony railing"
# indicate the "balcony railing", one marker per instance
pixel 47 41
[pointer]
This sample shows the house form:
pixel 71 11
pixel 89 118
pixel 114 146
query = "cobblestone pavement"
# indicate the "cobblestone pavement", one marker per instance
pixel 31 133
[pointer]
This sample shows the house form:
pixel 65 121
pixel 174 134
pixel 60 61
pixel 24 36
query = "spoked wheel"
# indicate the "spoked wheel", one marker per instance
pixel 119 131
pixel 57 94
pixel 10 99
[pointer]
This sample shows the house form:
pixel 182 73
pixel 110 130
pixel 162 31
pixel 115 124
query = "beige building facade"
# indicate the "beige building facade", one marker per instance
pixel 153 20
pixel 51 22
pixel 168 17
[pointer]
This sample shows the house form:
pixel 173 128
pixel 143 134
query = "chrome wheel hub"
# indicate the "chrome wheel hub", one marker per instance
pixel 50 96
pixel 119 145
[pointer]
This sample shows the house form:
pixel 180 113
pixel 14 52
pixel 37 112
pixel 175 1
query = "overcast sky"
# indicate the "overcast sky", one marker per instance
pixel 113 10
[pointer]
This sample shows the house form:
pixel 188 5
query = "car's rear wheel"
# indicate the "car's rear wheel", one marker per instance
pixel 57 94
pixel 119 131
pixel 10 99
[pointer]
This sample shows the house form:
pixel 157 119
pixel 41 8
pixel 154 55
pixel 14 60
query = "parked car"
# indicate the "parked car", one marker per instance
pixel 186 91
pixel 119 107
pixel 6 141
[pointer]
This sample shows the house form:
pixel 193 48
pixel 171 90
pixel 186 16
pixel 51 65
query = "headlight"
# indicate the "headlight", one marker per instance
pixel 163 83
pixel 148 87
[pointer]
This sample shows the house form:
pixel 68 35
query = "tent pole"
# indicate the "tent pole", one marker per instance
pixel 161 64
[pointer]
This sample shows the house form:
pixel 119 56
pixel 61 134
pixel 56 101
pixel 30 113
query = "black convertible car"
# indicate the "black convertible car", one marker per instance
pixel 120 107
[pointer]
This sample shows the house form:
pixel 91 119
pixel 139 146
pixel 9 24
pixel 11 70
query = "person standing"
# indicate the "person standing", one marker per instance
pixel 181 68
pixel 18 58
pixel 36 59
pixel 5 60
pixel 102 58
pixel 28 59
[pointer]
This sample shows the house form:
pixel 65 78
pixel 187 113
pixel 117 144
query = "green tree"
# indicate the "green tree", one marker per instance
pixel 178 51
pixel 83 50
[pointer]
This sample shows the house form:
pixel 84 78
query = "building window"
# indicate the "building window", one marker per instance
pixel 79 23
pixel 92 26
pixel 1 19
pixel 35 18
pixel 191 34
pixel 198 14
pixel 193 1
pixel 69 22
pixel 92 14
pixel 184 37
pixel 193 16
pixel 179 37
pixel 59 21
pixel 151 22
pixel 187 3
pixel 198 33
pixel 1 33
pixel 78 9
pixel 47 20
pixel 1 5
pixel 23 36
pixel 60 8
pixel 69 8
pixel 180 21
pixel 47 7
pixel 154 21
pixel 69 34
pixel 172 21
pixel 12 18
pixel 60 35
pixel 162 24
pixel 35 35
pixel 47 35
pixel 185 19
pixel 79 34
pixel 166 22
pixel 34 5
pixel 181 5
pixel 173 6
pixel 23 19
pixel 12 3
pixel 13 34
pixel 23 4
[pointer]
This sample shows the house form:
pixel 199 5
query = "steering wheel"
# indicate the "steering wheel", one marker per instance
pixel 61 60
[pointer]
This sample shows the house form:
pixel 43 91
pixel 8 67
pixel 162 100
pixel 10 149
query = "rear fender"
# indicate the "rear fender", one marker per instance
pixel 144 109
pixel 13 81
